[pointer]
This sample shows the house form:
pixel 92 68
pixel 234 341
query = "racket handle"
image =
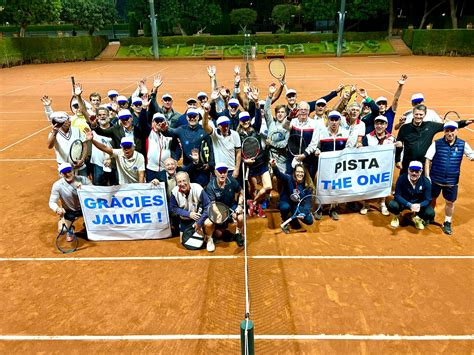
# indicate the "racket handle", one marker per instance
pixel 286 222
pixel 73 81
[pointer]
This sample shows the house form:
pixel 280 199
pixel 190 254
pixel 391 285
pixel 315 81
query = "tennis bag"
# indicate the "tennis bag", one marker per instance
pixel 191 239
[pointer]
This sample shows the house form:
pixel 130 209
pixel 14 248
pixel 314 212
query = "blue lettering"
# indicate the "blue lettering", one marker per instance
pixel 106 220
pixel 374 179
pixel 89 202
pixel 97 219
pixel 325 184
pixel 102 203
pixel 362 180
pixel 385 177
pixel 337 184
pixel 126 203
pixel 158 200
pixel 115 202
pixel 133 218
pixel 146 201
pixel 347 182
pixel 117 220
pixel 146 218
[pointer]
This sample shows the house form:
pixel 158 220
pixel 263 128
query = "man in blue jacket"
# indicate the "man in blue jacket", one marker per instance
pixel 412 192
pixel 443 167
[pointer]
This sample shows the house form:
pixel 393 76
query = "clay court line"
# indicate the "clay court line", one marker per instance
pixel 23 139
pixel 224 257
pixel 334 67
pixel 380 337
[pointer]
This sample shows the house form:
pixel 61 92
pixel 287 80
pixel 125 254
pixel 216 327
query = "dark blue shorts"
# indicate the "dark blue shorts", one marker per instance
pixel 258 171
pixel 72 215
pixel 450 193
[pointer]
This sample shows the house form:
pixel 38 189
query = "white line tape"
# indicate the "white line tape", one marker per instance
pixel 27 159
pixel 23 139
pixel 342 71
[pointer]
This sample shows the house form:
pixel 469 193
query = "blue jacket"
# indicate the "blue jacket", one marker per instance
pixel 446 164
pixel 406 195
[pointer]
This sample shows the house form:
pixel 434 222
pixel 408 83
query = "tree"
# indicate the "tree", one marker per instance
pixel 27 12
pixel 243 17
pixel 91 15
pixel 429 8
pixel 190 16
pixel 283 15
pixel 453 10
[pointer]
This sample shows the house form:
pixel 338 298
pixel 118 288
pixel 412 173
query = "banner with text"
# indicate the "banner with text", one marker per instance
pixel 125 212
pixel 355 174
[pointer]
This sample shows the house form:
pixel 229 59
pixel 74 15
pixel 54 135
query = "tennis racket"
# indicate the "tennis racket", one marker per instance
pixel 278 139
pixel 75 153
pixel 296 144
pixel 218 212
pixel 348 89
pixel 308 205
pixel 250 150
pixel 66 241
pixel 452 116
pixel 277 69
pixel 73 82
pixel 204 152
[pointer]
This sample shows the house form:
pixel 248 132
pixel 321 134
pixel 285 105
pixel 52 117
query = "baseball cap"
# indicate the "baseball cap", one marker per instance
pixel 261 103
pixel 233 102
pixel 244 115
pixel 290 92
pixel 380 98
pixel 64 167
pixel 59 117
pixel 167 96
pixel 124 114
pixel 192 112
pixel 201 94
pixel 127 141
pixel 136 100
pixel 112 93
pixel 321 101
pixel 417 98
pixel 221 166
pixel 159 117
pixel 450 124
pixel 415 165
pixel 191 99
pixel 381 118
pixel 334 114
pixel 223 120
pixel 122 98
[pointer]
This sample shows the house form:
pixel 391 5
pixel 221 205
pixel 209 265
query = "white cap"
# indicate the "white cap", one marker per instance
pixel 112 93
pixel 201 94
pixel 159 117
pixel 381 118
pixel 243 115
pixel 124 114
pixel 321 101
pixel 191 99
pixel 136 100
pixel 290 92
pixel 127 140
pixel 415 165
pixel 334 114
pixel 122 98
pixel 64 167
pixel 261 103
pixel 192 111
pixel 233 102
pixel 221 166
pixel 59 117
pixel 381 98
pixel 417 98
pixel 450 124
pixel 166 95
pixel 223 120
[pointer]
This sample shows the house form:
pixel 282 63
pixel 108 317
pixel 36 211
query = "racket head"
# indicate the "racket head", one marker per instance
pixel 452 116
pixel 75 152
pixel 296 144
pixel 278 138
pixel 218 212
pixel 309 204
pixel 250 148
pixel 64 245
pixel 204 152
pixel 277 68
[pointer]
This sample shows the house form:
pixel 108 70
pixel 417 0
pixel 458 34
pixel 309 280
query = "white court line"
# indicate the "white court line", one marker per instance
pixel 23 139
pixel 334 67
pixel 376 337
pixel 27 159
pixel 226 257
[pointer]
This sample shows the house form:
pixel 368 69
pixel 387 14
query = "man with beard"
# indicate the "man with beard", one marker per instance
pixel 443 167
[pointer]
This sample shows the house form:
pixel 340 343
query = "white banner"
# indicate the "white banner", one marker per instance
pixel 355 174
pixel 125 212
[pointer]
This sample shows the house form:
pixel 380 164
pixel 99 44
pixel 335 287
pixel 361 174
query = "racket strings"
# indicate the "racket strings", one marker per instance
pixel 250 147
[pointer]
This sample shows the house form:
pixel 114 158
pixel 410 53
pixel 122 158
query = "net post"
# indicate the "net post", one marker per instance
pixel 247 344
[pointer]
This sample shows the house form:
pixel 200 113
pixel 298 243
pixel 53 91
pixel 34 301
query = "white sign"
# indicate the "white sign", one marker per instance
pixel 125 212
pixel 355 174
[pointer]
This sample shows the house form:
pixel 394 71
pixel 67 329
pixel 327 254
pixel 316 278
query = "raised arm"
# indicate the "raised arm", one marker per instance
pixel 102 147
pixel 211 71
pixel 82 107
pixel 401 82
pixel 205 120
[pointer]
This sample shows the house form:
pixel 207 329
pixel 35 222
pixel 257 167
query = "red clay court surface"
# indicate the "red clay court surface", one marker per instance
pixel 353 286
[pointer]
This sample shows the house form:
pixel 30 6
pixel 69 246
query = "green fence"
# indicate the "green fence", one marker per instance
pixel 440 42
pixel 17 51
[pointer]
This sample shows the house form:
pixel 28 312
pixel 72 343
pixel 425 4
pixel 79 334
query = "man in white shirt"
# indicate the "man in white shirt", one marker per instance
pixel 407 117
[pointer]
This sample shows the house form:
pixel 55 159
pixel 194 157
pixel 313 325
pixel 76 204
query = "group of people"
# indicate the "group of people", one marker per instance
pixel 198 154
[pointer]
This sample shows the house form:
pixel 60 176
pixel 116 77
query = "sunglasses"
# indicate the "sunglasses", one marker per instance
pixel 137 105
pixel 127 146
pixel 125 118
pixel 414 171
pixel 200 98
pixel 321 105
pixel 233 106
pixel 167 99
pixel 192 116
pixel 245 120
pixel 222 171
pixel 112 96
pixel 291 96
pixel 76 106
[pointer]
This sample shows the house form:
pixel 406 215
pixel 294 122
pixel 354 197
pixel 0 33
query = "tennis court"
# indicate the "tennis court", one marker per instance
pixel 352 286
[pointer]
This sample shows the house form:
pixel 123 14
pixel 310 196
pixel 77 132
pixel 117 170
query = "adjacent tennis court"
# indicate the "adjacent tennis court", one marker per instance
pixel 352 286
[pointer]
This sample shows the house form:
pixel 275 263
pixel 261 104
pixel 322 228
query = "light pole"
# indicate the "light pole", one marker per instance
pixel 154 33
pixel 342 16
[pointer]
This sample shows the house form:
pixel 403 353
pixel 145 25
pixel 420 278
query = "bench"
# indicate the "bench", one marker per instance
pixel 214 54
pixel 275 53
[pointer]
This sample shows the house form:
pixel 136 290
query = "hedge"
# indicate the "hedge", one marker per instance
pixel 293 38
pixel 441 42
pixel 17 51
pixel 65 27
